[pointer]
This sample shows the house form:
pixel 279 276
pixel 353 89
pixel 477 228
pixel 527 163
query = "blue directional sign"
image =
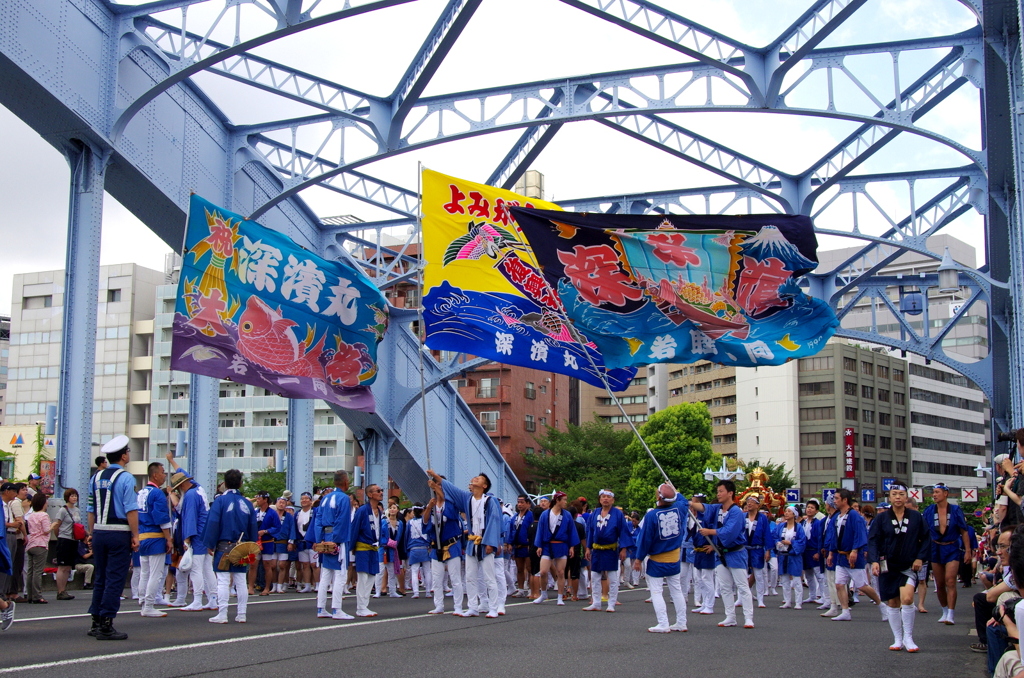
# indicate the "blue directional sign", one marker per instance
pixel 887 484
pixel 793 495
pixel 828 493
pixel 867 495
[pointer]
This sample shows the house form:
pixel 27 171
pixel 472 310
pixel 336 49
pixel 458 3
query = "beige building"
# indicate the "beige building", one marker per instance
pixel 21 442
pixel 5 350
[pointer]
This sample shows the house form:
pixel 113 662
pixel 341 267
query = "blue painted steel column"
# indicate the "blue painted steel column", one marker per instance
pixel 78 332
pixel 377 449
pixel 300 446
pixel 203 409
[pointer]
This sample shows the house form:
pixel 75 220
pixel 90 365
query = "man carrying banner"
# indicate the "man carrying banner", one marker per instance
pixel 659 540
pixel 441 523
pixel 364 543
pixel 232 519
pixel 608 538
pixel 330 533
pixel 483 512
pixel 723 526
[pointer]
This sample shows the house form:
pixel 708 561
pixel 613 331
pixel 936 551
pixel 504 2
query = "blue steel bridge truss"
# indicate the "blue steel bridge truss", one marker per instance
pixel 124 91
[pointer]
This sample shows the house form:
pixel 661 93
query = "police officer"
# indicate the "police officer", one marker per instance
pixel 114 523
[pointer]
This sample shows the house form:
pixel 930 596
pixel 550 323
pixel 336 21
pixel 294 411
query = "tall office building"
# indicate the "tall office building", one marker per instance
pixel 5 350
pixel 124 318
pixel 253 422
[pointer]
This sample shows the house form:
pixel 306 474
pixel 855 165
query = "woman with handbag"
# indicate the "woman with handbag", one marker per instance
pixel 37 542
pixel 68 522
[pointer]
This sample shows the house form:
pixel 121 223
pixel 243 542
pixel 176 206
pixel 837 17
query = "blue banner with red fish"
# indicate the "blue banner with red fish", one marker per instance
pixel 256 308
pixel 649 289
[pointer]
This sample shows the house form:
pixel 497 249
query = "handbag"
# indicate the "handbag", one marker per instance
pixel 78 532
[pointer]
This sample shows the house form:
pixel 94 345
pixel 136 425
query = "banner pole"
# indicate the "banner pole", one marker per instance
pixel 421 334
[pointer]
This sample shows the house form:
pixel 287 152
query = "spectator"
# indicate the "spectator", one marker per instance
pixel 985 602
pixel 84 563
pixel 101 463
pixel 12 523
pixel 37 544
pixel 1009 665
pixel 34 479
pixel 67 547
pixel 16 586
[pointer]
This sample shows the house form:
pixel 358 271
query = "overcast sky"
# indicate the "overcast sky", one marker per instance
pixel 540 39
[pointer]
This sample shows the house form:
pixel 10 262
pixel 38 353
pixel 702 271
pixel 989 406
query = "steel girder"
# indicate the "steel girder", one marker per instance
pixel 270 164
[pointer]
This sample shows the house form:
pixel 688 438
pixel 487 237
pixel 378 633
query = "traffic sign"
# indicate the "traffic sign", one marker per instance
pixel 793 495
pixel 969 494
pixel 867 495
pixel 914 493
pixel 828 493
pixel 887 484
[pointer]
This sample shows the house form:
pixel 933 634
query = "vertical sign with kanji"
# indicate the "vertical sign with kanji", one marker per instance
pixel 848 437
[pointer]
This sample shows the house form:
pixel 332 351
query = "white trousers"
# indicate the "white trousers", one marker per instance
pixel 830 582
pixel 508 567
pixel 335 581
pixel 224 581
pixel 481 584
pixel 201 575
pixel 706 584
pixel 656 586
pixel 181 579
pixel 760 578
pixel 733 580
pixel 364 584
pixel 685 577
pixel 613 588
pixel 791 589
pixel 136 581
pixel 151 581
pixel 773 572
pixel 812 585
pixel 823 588
pixel 418 570
pixel 454 569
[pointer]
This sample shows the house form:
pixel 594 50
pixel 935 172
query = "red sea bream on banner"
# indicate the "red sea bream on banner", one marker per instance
pixel 256 308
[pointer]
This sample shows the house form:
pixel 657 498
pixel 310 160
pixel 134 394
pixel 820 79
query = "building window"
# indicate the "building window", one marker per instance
pixel 883 395
pixel 867 392
pixel 326 451
pixel 886 465
pixel 849 364
pixel 868 416
pixel 869 465
pixel 817 413
pixel 543 421
pixel 901 468
pixel 818 464
pixel 489 420
pixel 897 375
pixel 45 301
pixel 818 438
pixel 457 383
pixel 412 298
pixel 901 421
pixel 530 424
pixel 487 388
pixel 882 371
pixel 221 452
pixel 884 419
pixel 901 444
pixel 529 450
pixel 529 391
pixel 814 364
pixel 274 421
pixel 851 413
pixel 637 381
pixel 850 388
pixel 268 451
pixel 114 296
pixel 867 368
pixel 816 388
pixel 884 443
pixel 867 440
pixel 726 439
pixel 899 398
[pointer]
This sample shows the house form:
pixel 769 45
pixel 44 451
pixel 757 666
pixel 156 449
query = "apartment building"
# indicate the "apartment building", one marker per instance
pixel 5 350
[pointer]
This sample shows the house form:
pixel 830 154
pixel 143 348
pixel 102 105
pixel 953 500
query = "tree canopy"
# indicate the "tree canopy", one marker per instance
pixel 584 459
pixel 269 481
pixel 680 439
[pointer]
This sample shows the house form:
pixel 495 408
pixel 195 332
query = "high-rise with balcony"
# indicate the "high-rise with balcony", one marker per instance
pixel 5 350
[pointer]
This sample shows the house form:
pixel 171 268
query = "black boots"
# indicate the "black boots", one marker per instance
pixel 95 625
pixel 107 630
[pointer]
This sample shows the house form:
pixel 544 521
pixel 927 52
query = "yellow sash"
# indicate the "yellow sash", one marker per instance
pixel 605 547
pixel 666 557
pixel 362 546
pixel 152 535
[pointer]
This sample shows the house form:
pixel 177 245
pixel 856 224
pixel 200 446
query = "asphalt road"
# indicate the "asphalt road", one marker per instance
pixel 283 637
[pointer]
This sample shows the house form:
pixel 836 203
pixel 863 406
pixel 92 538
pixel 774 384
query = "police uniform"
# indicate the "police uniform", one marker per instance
pixel 111 499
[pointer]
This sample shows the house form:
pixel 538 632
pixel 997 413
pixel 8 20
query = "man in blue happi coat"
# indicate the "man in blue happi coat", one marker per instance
pixel 330 533
pixel 192 508
pixel 723 526
pixel 231 519
pixel 851 541
pixel 660 540
pixel 364 544
pixel 608 539
pixel 154 538
pixel 442 524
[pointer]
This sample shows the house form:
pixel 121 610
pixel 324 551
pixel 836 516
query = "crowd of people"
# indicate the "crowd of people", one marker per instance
pixel 179 549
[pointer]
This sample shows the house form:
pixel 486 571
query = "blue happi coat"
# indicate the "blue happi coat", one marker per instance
pixel 332 522
pixel 270 521
pixel 814 542
pixel 791 560
pixel 154 517
pixel 193 515
pixel 853 535
pixel 607 531
pixel 449 532
pixel 661 533
pixel 417 541
pixel 364 539
pixel 564 532
pixel 731 538
pixel 492 535
pixel 758 539
pixel 231 518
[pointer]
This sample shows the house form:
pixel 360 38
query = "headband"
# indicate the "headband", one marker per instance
pixel 558 496
pixel 306 494
pixel 754 498
pixel 940 486
pixel 606 492
pixel 899 486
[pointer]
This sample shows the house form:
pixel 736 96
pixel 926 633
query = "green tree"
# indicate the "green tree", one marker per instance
pixel 680 438
pixel 269 481
pixel 779 477
pixel 583 460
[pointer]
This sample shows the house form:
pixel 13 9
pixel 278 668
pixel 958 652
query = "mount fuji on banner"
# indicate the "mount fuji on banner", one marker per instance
pixel 483 293
pixel 256 308
pixel 649 289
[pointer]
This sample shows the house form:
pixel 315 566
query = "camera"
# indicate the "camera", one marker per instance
pixel 1007 436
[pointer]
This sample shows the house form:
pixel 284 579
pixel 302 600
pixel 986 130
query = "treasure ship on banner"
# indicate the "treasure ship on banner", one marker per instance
pixel 256 308
pixel 649 289
pixel 483 292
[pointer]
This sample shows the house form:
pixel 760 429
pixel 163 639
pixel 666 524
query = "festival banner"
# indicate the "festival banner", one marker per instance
pixel 256 308
pixel 649 289
pixel 849 461
pixel 483 293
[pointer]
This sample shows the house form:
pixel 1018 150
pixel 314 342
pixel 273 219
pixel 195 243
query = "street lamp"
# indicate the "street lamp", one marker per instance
pixel 724 473
pixel 949 274
pixel 980 470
